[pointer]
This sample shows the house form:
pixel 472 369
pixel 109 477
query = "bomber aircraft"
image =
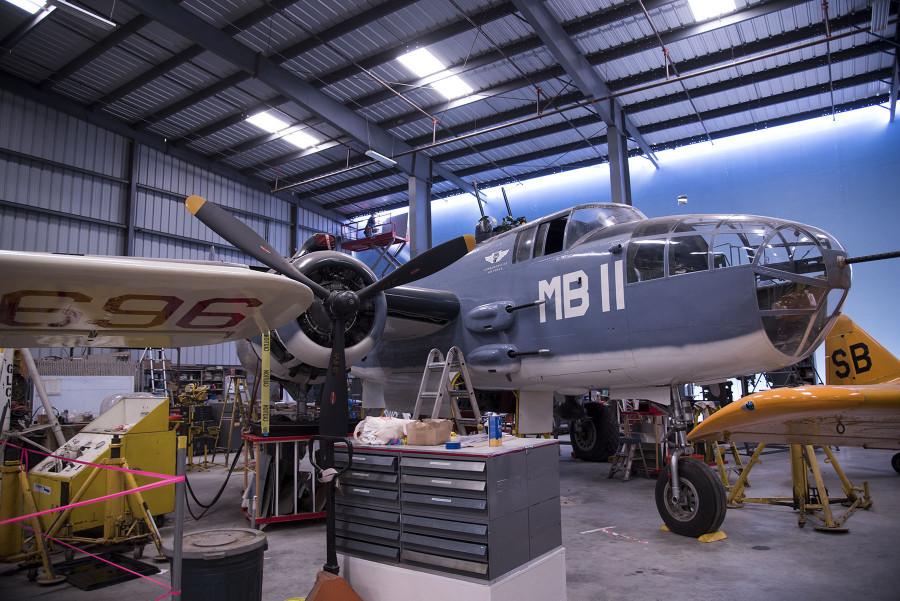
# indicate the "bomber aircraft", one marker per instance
pixel 594 297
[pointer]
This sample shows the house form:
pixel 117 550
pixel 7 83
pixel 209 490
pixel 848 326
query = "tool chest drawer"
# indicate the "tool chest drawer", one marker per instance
pixel 367 478
pixel 363 461
pixel 357 547
pixel 367 496
pixel 367 533
pixel 446 528
pixel 442 485
pixel 362 515
pixel 444 546
pixel 462 505
pixel 441 467
pixel 451 564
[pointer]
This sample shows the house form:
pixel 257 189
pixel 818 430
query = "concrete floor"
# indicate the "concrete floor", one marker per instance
pixel 614 547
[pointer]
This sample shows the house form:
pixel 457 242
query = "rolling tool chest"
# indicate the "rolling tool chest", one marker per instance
pixel 478 511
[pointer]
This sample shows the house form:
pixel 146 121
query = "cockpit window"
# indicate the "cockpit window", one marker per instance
pixel 653 227
pixel 688 254
pixel 550 237
pixel 645 260
pixel 585 220
pixel 524 244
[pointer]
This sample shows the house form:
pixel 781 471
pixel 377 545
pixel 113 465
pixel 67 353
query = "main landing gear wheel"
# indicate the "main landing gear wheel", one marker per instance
pixel 595 437
pixel 701 507
pixel 895 462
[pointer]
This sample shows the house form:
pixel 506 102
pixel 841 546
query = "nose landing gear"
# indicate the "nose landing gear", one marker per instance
pixel 689 497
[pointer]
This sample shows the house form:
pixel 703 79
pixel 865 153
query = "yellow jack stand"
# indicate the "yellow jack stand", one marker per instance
pixel 17 496
pixel 813 503
pixel 119 526
pixel 720 462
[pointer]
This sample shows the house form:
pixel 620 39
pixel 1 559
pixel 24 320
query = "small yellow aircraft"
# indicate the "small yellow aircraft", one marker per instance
pixel 859 406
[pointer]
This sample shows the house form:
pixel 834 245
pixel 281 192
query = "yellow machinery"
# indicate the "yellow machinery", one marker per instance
pixel 141 422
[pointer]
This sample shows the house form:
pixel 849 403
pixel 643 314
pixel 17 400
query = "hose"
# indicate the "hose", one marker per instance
pixel 207 506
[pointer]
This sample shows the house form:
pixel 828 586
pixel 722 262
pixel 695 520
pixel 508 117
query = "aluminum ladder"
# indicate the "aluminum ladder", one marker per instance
pixel 158 375
pixel 439 381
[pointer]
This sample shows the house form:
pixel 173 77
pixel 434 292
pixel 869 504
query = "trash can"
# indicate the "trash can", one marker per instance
pixel 225 564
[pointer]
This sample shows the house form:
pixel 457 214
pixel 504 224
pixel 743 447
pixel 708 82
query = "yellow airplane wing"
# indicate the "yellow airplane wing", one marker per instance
pixel 860 405
pixel 67 300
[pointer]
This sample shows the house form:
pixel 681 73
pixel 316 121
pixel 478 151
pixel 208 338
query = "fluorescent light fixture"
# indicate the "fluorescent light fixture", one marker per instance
pixel 301 139
pixel 386 161
pixel 707 9
pixel 29 6
pixel 266 121
pixel 421 62
pixel 452 87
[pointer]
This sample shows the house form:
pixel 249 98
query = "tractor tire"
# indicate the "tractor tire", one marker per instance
pixel 703 505
pixel 595 437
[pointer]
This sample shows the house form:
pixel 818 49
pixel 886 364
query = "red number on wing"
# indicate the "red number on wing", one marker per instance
pixel 10 309
pixel 114 306
pixel 199 310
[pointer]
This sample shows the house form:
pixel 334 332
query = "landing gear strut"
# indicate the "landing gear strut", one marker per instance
pixel 689 497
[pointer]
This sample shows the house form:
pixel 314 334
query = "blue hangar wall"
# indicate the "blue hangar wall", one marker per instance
pixel 842 176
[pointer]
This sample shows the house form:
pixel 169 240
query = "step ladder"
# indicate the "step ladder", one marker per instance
pixel 439 382
pixel 234 390
pixel 158 375
pixel 629 445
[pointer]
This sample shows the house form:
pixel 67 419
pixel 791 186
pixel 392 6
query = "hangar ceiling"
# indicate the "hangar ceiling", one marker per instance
pixel 196 75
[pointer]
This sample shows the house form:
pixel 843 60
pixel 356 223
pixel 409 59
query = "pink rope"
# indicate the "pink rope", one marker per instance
pixel 117 566
pixel 164 480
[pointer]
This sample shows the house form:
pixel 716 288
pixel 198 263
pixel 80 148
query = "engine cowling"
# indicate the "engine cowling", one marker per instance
pixel 301 348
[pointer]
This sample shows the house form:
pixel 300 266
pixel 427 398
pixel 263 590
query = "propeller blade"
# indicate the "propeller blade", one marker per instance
pixel 242 236
pixel 334 415
pixel 428 263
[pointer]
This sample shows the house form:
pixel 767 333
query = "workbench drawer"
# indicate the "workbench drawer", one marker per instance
pixel 357 547
pixel 442 485
pixel 459 505
pixel 363 532
pixel 446 528
pixel 368 496
pixel 443 467
pixel 362 515
pixel 377 463
pixel 440 562
pixel 444 546
pixel 367 478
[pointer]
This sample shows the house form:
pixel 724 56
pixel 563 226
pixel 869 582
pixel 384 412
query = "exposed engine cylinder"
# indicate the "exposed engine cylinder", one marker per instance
pixel 302 347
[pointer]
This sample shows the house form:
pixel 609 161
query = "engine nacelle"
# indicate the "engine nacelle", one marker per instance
pixel 301 348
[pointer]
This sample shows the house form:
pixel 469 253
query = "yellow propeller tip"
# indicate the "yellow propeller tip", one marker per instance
pixel 194 202
pixel 470 242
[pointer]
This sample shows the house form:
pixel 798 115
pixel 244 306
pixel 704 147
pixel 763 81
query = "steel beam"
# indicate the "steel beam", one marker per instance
pixel 419 187
pixel 586 78
pixel 895 74
pixel 344 27
pixel 55 101
pixel 18 34
pixel 191 26
pixel 134 150
pixel 762 44
pixel 556 151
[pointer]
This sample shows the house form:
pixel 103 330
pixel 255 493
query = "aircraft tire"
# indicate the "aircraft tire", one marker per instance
pixel 895 462
pixel 706 511
pixel 594 437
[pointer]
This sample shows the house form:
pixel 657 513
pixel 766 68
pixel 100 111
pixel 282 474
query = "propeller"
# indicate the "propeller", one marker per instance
pixel 342 305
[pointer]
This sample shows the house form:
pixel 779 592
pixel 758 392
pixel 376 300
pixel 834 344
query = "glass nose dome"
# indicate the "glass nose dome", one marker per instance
pixel 793 293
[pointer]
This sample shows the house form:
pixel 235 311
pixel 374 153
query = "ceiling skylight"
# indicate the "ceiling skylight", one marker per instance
pixel 266 121
pixel 707 9
pixel 29 6
pixel 301 139
pixel 423 63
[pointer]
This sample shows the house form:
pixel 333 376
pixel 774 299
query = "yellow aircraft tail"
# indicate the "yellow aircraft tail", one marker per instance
pixel 852 356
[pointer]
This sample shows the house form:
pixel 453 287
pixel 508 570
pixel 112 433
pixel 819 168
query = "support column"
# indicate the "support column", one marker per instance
pixel 420 206
pixel 130 195
pixel 619 177
pixel 294 243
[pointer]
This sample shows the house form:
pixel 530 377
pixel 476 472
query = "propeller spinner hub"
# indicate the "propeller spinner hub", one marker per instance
pixel 344 304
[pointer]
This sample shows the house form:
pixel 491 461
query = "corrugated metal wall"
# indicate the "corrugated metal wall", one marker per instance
pixel 64 187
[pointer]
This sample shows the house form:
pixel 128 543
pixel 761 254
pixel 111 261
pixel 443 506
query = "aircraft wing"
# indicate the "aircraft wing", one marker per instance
pixel 69 300
pixel 413 312
pixel 862 416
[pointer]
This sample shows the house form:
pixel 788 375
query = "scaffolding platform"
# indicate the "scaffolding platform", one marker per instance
pixel 382 237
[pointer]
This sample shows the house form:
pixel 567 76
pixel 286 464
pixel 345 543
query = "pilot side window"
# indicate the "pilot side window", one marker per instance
pixel 524 244
pixel 688 254
pixel 550 237
pixel 645 260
